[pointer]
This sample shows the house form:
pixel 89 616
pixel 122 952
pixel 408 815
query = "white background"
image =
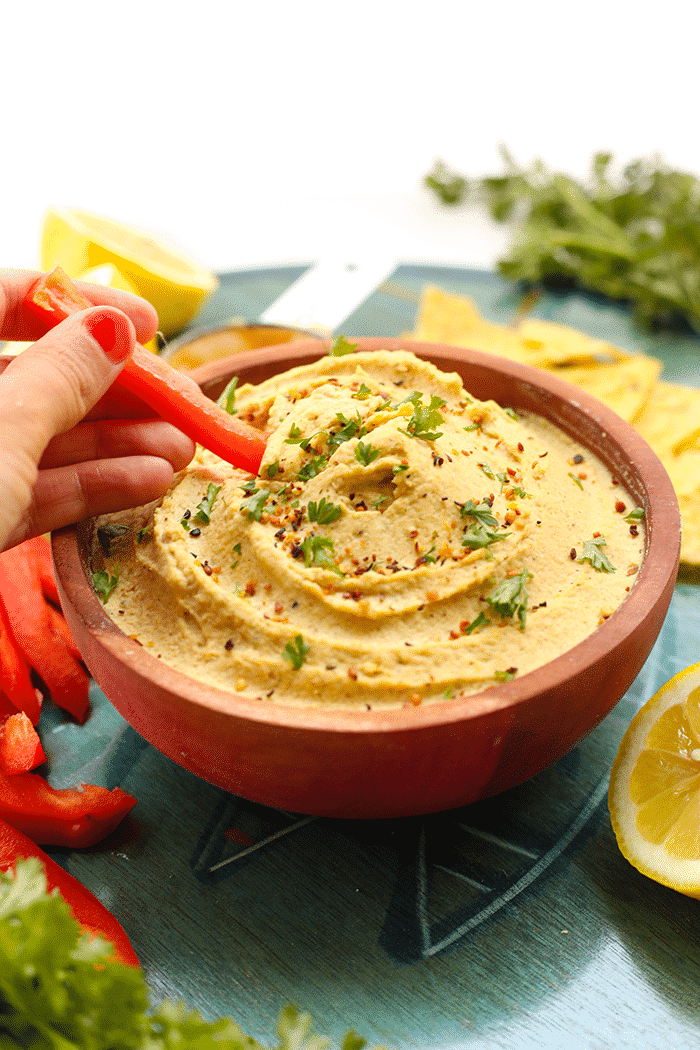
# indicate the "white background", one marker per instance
pixel 275 132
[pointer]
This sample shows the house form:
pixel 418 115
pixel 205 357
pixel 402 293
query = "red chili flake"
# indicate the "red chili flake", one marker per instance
pixel 509 470
pixel 416 699
pixel 454 634
pixel 207 569
pixel 596 535
pixel 413 533
pixel 521 447
pixel 634 531
pixel 572 554
pixel 250 588
pixel 620 506
pixel 279 608
pixel 352 673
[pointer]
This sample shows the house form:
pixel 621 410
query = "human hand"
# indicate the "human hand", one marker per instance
pixel 69 447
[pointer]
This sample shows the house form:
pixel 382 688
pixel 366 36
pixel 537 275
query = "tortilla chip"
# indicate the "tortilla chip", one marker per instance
pixel 560 345
pixel 670 422
pixel 625 386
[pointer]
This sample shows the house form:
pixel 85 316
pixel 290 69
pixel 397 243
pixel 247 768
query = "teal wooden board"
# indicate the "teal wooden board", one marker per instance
pixel 511 923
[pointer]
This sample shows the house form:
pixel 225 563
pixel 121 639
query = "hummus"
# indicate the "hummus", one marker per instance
pixel 404 543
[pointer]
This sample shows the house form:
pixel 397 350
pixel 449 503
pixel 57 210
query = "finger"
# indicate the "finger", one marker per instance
pixel 110 439
pixel 66 495
pixel 48 389
pixel 16 322
pixel 51 386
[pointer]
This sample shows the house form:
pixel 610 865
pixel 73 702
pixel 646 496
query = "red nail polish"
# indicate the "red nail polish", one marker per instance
pixel 112 333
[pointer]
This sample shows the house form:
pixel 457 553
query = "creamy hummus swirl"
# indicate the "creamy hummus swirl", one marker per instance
pixel 403 543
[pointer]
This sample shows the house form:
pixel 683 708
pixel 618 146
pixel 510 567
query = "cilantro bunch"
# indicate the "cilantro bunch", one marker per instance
pixel 633 237
pixel 59 990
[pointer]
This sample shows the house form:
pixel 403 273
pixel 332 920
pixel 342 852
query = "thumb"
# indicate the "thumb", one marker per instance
pixel 53 384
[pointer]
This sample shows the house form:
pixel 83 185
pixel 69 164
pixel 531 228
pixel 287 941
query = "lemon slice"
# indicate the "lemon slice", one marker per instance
pixel 654 795
pixel 78 241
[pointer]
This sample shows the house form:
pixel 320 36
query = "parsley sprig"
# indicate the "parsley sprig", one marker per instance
pixel 319 550
pixel 104 582
pixel 425 417
pixel 593 553
pixel 296 652
pixel 324 512
pixel 204 509
pixel 510 597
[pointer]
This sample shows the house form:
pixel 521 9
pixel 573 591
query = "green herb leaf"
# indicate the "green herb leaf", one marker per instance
pixel 576 480
pixel 482 513
pixel 324 512
pixel 204 509
pixel 592 553
pixel 365 453
pixel 510 597
pixel 478 536
pixel 350 428
pixel 504 676
pixel 481 621
pixel 236 550
pixel 363 393
pixel 636 514
pixel 296 652
pixel 142 534
pixel 340 347
pixel 104 583
pixel 312 468
pixel 227 399
pixel 273 469
pixel 425 417
pixel 253 505
pixel 500 476
pixel 319 550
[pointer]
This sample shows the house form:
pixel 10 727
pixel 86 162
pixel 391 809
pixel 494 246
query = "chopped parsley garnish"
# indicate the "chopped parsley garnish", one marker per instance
pixel 365 453
pixel 398 468
pixel 378 501
pixel 236 550
pixel 577 481
pixel 104 583
pixel 482 512
pixel 362 393
pixel 253 505
pixel 592 553
pixel 425 417
pixel 295 438
pixel 350 428
pixel 319 550
pixel 510 597
pixel 251 485
pixel 500 476
pixel 636 514
pixel 296 652
pixel 478 536
pixel 142 534
pixel 227 399
pixel 340 347
pixel 273 469
pixel 481 621
pixel 511 412
pixel 505 676
pixel 312 468
pixel 204 509
pixel 324 512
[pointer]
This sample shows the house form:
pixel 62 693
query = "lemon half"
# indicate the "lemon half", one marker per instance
pixel 79 241
pixel 654 795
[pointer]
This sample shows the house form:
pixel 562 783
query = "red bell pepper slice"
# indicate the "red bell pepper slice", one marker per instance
pixel 171 394
pixel 92 916
pixel 41 550
pixel 20 746
pixel 30 623
pixel 74 817
pixel 15 676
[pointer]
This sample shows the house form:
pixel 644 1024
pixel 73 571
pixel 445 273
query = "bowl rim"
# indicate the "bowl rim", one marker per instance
pixel 72 548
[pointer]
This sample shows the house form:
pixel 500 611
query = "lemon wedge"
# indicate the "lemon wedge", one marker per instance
pixel 654 794
pixel 79 241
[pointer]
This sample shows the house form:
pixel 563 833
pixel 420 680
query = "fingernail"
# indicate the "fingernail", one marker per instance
pixel 112 333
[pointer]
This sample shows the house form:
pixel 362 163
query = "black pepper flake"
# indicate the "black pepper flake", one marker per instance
pixel 194 533
pixel 187 515
pixel 280 534
pixel 634 531
pixel 578 458
pixel 296 551
pixel 228 646
pixel 572 554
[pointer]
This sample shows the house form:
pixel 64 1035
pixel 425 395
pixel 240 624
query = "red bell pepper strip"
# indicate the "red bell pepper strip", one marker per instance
pixel 42 558
pixel 15 675
pixel 74 817
pixel 29 620
pixel 92 916
pixel 171 394
pixel 20 746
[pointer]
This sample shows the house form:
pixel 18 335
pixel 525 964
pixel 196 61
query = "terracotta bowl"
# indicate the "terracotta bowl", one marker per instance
pixel 407 761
